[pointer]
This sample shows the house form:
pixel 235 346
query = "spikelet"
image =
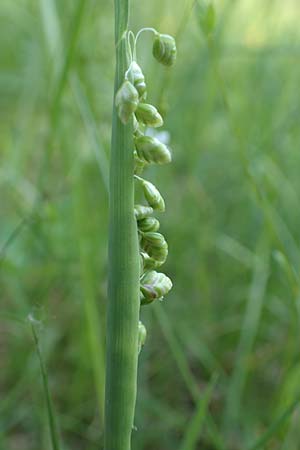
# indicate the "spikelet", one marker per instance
pixel 136 76
pixel 127 99
pixel 151 150
pixel 148 224
pixel 148 115
pixel 141 211
pixel 155 245
pixel 148 263
pixel 154 285
pixel 164 49
pixel 152 195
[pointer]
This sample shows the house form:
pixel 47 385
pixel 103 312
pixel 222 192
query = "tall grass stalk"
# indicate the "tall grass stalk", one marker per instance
pixel 123 279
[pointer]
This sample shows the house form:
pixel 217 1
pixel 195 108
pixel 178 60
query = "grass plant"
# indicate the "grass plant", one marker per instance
pixel 231 113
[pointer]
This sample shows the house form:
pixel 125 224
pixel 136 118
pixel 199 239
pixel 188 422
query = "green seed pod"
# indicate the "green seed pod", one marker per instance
pixel 164 49
pixel 155 245
pixel 148 115
pixel 141 211
pixel 142 335
pixel 148 224
pixel 152 195
pixel 127 99
pixel 148 263
pixel 136 76
pixel 154 285
pixel 151 150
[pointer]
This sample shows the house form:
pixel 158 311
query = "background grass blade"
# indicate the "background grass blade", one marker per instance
pixel 194 427
pixel 50 410
pixel 91 129
pixel 252 317
pixel 95 324
pixel 188 377
pixel 275 426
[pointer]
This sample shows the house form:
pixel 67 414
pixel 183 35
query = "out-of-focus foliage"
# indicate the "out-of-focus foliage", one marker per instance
pixel 232 223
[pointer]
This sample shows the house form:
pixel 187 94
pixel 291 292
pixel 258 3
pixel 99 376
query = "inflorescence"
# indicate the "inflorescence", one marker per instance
pixel 131 105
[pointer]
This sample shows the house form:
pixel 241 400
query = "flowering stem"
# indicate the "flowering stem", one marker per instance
pixel 123 288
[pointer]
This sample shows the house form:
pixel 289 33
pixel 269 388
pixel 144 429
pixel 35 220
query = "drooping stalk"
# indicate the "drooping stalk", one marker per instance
pixel 123 289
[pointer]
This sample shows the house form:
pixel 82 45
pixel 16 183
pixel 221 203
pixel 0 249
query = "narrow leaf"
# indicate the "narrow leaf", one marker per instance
pixel 50 410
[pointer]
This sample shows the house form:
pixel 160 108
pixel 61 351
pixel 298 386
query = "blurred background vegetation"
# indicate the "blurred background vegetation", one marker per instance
pixel 221 367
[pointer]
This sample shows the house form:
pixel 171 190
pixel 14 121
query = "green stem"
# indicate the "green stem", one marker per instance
pixel 123 283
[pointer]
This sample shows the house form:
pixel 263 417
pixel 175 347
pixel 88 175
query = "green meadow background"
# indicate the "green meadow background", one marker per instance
pixel 221 365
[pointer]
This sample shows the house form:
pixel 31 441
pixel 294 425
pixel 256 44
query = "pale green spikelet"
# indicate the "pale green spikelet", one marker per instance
pixel 155 245
pixel 141 211
pixel 148 224
pixel 127 99
pixel 151 150
pixel 152 195
pixel 154 285
pixel 164 49
pixel 136 76
pixel 148 263
pixel 148 115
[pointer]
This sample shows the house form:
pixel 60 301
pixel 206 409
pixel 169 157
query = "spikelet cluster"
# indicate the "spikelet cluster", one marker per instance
pixel 131 105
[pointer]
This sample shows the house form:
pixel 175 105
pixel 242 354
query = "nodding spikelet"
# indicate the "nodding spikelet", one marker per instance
pixel 164 49
pixel 151 150
pixel 155 245
pixel 152 195
pixel 141 211
pixel 136 76
pixel 154 285
pixel 148 115
pixel 148 224
pixel 127 99
pixel 142 335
